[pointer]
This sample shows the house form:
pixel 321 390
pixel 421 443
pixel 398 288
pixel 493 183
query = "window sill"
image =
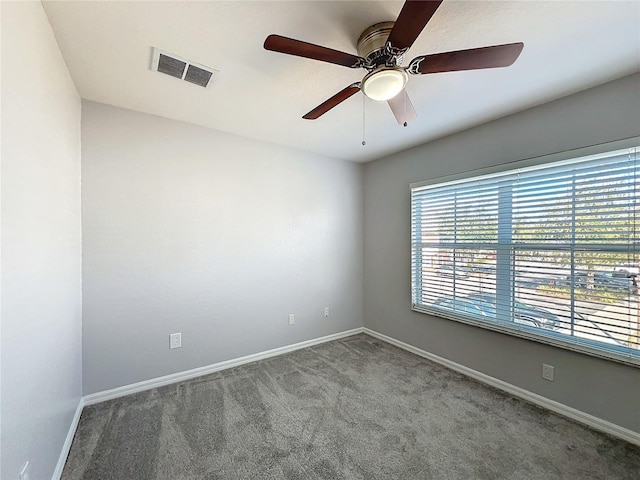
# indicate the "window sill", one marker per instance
pixel 545 337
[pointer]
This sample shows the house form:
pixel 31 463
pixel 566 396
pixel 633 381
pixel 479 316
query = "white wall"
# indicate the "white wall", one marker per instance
pixel 41 242
pixel 605 389
pixel 190 230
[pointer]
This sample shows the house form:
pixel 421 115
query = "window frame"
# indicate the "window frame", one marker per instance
pixel 592 348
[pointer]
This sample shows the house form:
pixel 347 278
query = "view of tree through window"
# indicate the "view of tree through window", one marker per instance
pixel 551 251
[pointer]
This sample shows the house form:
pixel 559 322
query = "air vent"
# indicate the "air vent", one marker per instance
pixel 198 75
pixel 171 66
pixel 178 67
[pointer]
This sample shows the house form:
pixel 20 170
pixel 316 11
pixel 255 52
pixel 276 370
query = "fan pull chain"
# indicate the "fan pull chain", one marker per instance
pixel 405 108
pixel 364 142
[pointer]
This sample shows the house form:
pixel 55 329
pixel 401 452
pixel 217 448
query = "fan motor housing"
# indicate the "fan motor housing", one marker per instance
pixel 372 41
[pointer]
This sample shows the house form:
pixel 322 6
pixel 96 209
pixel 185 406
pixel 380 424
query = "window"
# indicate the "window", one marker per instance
pixel 547 252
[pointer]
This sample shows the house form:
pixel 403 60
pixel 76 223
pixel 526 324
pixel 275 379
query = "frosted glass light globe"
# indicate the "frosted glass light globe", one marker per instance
pixel 384 84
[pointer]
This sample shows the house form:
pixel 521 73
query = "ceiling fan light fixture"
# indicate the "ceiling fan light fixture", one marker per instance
pixel 384 84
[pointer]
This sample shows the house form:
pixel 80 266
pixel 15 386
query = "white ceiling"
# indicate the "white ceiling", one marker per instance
pixel 569 46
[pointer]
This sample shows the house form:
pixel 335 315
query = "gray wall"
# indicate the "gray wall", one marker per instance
pixel 190 230
pixel 41 241
pixel 605 389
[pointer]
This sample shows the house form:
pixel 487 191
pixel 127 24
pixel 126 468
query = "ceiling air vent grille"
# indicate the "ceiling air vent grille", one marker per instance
pixel 171 66
pixel 198 75
pixel 178 67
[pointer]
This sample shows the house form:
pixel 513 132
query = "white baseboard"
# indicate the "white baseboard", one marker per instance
pixel 582 417
pixel 216 367
pixel 178 377
pixel 66 447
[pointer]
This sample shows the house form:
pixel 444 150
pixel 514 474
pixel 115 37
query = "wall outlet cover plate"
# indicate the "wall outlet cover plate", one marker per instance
pixel 175 340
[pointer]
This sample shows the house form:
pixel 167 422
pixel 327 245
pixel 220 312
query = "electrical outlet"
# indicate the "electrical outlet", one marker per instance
pixel 24 473
pixel 292 319
pixel 547 372
pixel 326 311
pixel 175 340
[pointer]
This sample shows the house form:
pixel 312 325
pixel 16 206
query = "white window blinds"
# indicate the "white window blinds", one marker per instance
pixel 550 252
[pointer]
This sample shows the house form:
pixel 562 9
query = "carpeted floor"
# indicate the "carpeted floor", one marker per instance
pixel 355 408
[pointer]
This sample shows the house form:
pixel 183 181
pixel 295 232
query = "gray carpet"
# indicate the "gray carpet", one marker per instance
pixel 355 408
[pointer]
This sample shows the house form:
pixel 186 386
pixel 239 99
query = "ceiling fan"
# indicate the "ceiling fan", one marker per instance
pixel 380 51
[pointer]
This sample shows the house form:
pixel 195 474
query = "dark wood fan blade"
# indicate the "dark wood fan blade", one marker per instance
pixel 290 46
pixel 472 59
pixel 338 98
pixel 402 108
pixel 413 17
